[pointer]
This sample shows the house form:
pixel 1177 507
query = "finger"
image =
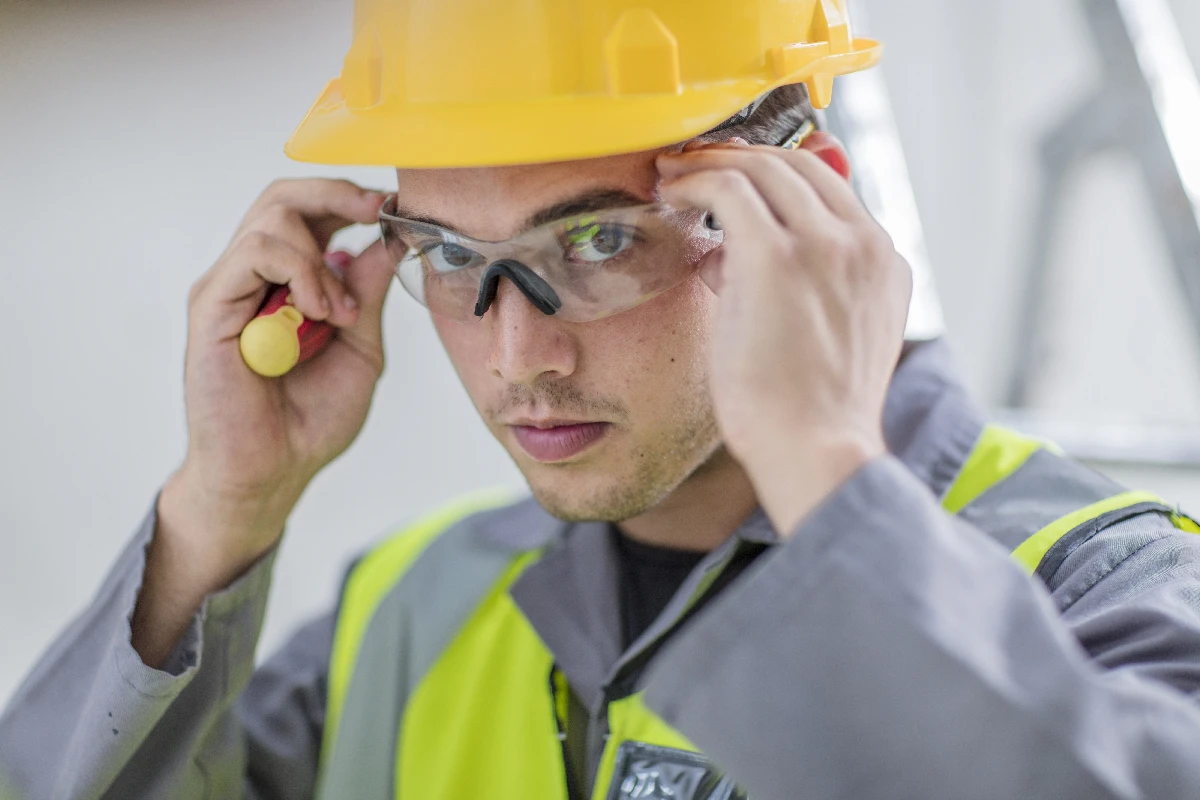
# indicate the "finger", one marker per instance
pixel 832 187
pixel 731 196
pixel 698 144
pixel 830 150
pixel 232 293
pixel 326 205
pixel 314 197
pixel 368 279
pixel 343 306
pixel 790 197
pixel 285 224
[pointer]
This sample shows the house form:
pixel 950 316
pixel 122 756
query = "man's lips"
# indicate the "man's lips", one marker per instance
pixel 544 423
pixel 550 440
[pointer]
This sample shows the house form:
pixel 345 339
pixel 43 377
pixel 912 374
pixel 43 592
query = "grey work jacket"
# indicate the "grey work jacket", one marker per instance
pixel 887 650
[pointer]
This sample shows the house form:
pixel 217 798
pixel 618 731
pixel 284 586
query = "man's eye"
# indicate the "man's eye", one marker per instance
pixel 599 241
pixel 448 257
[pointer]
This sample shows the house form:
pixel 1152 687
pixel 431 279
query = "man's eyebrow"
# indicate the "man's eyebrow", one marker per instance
pixel 588 202
pixel 595 200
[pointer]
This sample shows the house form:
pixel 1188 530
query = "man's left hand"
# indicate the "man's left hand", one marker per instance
pixel 810 323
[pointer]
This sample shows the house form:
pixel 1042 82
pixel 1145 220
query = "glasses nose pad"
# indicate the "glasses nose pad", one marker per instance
pixel 532 285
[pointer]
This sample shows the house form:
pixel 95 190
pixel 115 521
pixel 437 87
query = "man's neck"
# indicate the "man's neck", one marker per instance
pixel 716 499
pixel 702 512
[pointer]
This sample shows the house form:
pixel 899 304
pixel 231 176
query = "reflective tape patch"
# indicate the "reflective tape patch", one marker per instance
pixel 648 772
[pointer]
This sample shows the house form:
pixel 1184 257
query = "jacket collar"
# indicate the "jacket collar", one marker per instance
pixel 570 595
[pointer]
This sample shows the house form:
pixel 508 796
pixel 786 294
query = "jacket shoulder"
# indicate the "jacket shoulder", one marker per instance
pixel 1141 553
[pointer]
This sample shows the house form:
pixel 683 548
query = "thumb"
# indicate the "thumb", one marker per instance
pixel 368 277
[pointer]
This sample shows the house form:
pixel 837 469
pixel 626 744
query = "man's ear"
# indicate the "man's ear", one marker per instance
pixel 826 147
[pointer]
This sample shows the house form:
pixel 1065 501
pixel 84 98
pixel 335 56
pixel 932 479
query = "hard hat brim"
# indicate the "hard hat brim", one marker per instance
pixel 505 132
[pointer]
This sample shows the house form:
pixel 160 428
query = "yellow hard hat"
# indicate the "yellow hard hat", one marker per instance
pixel 454 83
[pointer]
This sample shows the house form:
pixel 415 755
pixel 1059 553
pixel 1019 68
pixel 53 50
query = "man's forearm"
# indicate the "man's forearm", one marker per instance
pixel 185 564
pixel 82 725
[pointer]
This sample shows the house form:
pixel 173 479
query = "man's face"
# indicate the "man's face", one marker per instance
pixel 604 418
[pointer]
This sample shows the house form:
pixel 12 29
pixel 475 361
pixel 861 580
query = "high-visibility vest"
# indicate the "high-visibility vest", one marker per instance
pixel 439 687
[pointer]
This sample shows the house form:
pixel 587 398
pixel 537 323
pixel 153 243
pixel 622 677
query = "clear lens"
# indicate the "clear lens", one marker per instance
pixel 448 257
pixel 599 264
pixel 600 242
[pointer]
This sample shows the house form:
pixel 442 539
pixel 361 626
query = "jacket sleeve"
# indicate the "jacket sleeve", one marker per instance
pixel 92 721
pixel 890 650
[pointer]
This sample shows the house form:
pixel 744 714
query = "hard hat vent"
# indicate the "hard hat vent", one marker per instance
pixel 362 71
pixel 830 24
pixel 641 55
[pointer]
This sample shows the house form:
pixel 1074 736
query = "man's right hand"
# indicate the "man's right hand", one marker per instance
pixel 254 443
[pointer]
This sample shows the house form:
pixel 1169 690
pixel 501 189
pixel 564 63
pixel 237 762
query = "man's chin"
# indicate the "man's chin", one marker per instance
pixel 613 485
pixel 574 496
pixel 585 495
pixel 572 510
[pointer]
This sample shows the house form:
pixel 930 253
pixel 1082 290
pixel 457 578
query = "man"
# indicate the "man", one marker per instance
pixel 737 576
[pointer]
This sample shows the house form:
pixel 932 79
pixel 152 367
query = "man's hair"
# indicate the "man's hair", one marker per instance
pixel 771 120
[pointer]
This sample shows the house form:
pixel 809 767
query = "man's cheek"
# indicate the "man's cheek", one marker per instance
pixel 466 345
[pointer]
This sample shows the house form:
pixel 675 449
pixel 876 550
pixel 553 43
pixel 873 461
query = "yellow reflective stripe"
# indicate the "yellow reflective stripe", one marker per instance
pixel 1185 523
pixel 630 721
pixel 998 454
pixel 481 723
pixel 561 697
pixel 371 580
pixel 1031 552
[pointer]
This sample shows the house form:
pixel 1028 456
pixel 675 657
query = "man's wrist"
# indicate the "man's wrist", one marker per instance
pixel 793 474
pixel 218 537
pixel 198 547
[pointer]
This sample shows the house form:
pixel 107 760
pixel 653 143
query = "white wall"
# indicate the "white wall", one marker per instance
pixel 132 138
pixel 134 134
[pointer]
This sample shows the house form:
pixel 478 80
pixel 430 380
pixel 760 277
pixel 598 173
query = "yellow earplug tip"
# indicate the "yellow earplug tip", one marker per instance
pixel 269 344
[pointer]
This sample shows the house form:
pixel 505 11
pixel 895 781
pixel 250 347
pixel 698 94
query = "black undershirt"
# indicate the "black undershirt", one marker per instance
pixel 648 576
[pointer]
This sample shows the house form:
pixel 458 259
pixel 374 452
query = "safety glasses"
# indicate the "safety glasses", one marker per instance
pixel 580 268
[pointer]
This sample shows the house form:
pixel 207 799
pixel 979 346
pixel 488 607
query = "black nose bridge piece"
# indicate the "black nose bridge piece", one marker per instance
pixel 532 285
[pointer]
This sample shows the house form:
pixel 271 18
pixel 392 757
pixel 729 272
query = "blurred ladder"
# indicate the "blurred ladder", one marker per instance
pixel 1149 108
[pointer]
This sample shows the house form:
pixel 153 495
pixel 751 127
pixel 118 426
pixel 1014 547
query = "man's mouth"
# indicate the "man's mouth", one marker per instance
pixel 553 440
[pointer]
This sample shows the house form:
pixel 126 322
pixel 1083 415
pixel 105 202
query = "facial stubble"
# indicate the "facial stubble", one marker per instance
pixel 642 476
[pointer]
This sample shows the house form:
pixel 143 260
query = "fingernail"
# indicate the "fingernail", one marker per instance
pixel 325 305
pixel 739 141
pixel 349 302
pixel 338 261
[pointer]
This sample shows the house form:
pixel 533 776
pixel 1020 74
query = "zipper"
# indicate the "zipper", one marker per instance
pixel 622 682
pixel 597 740
pixel 561 723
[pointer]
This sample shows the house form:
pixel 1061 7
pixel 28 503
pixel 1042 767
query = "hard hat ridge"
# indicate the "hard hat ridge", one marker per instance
pixel 488 82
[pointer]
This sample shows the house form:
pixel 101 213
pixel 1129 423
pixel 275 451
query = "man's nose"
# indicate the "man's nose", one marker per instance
pixel 527 344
